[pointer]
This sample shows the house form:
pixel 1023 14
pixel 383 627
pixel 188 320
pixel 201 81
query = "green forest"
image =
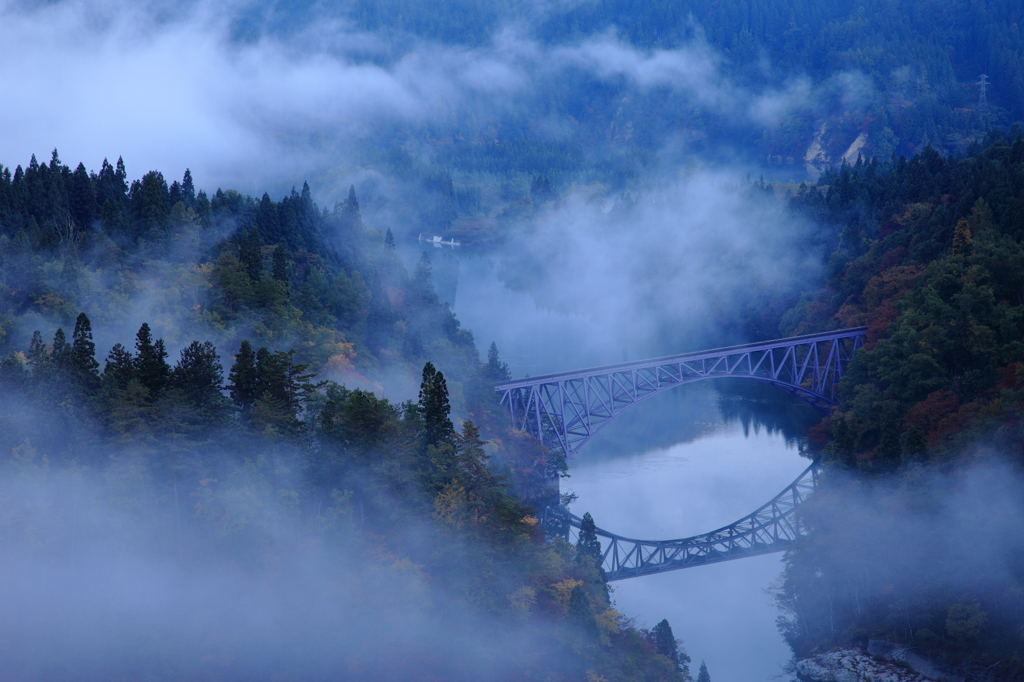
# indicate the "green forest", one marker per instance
pixel 930 257
pixel 240 449
pixel 199 386
pixel 876 79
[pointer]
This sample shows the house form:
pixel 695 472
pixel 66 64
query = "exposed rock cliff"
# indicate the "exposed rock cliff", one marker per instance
pixel 853 665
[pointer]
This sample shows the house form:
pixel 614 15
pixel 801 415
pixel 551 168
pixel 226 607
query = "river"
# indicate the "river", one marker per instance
pixel 682 463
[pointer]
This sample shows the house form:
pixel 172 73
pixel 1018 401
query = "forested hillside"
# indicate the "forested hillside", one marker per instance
pixel 628 91
pixel 915 538
pixel 218 443
pixel 895 76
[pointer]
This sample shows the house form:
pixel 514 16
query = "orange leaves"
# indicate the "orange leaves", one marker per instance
pixel 936 415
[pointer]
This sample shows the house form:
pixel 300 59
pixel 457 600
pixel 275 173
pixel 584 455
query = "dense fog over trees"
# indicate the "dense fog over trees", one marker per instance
pixel 243 435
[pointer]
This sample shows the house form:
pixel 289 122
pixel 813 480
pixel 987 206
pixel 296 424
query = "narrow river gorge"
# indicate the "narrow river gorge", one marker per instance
pixel 682 463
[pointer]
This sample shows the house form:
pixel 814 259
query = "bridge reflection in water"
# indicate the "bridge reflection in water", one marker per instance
pixel 772 528
pixel 565 410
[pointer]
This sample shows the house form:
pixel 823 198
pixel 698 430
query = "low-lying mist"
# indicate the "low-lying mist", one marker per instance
pixel 103 577
pixel 932 560
pixel 693 264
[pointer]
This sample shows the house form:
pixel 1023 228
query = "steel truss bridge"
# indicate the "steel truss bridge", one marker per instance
pixel 565 410
pixel 772 528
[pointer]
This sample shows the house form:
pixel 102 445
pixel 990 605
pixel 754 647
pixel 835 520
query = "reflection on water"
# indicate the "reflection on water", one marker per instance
pixel 720 611
pixel 724 470
pixel 683 462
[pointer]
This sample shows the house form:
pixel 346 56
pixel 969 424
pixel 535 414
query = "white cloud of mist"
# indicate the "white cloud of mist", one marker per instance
pixel 665 276
pixel 171 89
pixel 96 583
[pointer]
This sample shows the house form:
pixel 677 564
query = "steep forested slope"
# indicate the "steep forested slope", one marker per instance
pixel 205 497
pixel 903 74
pixel 916 537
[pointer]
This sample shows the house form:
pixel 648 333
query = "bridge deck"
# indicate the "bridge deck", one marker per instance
pixel 566 409
pixel 669 359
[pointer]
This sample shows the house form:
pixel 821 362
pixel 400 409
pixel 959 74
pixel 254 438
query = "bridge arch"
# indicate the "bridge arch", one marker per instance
pixel 565 410
pixel 773 527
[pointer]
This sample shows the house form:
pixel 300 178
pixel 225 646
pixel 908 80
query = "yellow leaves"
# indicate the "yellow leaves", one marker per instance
pixel 522 600
pixel 914 214
pixel 450 506
pixel 962 238
pixel 608 621
pixel 530 520
pixel 340 359
pixel 563 589
pixel 52 304
pixel 852 316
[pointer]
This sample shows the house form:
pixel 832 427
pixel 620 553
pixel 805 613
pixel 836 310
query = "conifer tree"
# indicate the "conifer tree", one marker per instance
pixel 83 355
pixel 389 240
pixel 119 368
pixel 39 356
pixel 199 376
pixel 150 363
pixel 434 408
pixel 188 190
pixel 421 275
pixel 477 476
pixel 243 385
pixel 283 387
pixel 250 253
pixel 666 644
pixel 280 265
pixel 350 217
pixel 82 198
pixel 497 370
pixel 587 545
pixel 703 675
pixel 60 353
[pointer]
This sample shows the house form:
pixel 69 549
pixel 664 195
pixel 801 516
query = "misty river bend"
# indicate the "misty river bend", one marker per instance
pixel 684 462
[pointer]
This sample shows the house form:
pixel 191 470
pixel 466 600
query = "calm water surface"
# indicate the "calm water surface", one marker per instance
pixel 721 612
pixel 685 462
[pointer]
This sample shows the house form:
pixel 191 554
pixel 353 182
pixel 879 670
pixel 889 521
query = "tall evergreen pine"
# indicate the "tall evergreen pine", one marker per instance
pixel 199 376
pixel 83 355
pixel 434 408
pixel 587 545
pixel 496 369
pixel 119 368
pixel 279 269
pixel 665 643
pixel 60 353
pixel 151 366
pixel 39 356
pixel 243 385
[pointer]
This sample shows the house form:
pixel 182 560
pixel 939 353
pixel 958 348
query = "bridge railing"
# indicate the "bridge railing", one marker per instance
pixel 771 528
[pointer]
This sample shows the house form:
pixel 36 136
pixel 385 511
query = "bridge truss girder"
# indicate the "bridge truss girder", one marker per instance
pixel 565 410
pixel 772 528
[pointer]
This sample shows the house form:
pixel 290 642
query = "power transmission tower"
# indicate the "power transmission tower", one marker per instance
pixel 982 96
